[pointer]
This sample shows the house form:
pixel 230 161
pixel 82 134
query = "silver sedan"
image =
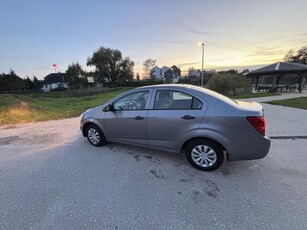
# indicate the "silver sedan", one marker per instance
pixel 207 125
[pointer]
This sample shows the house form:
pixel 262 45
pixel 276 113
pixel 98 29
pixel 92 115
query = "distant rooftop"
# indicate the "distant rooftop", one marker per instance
pixel 280 67
pixel 54 78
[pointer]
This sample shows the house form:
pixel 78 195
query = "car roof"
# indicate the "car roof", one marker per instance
pixel 196 89
pixel 168 85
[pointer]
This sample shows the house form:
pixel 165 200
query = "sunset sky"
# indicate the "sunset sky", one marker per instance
pixel 237 34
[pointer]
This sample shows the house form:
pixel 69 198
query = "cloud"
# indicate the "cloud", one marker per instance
pixel 171 41
pixel 220 59
pixel 274 39
pixel 199 32
pixel 189 64
pixel 265 51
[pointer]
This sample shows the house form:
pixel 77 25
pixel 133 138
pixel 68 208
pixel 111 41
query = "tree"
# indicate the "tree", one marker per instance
pixel 137 76
pixel 33 84
pixel 300 56
pixel 28 83
pixel 147 66
pixel 11 82
pixel 230 71
pixel 74 76
pixel 245 71
pixel 110 64
pixel 37 84
pixel 126 71
pixel 191 70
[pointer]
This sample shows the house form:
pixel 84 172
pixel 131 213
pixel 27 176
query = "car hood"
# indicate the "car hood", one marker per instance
pixel 92 111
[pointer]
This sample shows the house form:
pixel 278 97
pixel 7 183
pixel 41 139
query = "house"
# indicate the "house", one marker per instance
pixel 159 73
pixel 195 73
pixel 54 81
pixel 172 75
pixel 169 75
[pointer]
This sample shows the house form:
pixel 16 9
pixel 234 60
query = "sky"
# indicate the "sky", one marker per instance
pixel 35 34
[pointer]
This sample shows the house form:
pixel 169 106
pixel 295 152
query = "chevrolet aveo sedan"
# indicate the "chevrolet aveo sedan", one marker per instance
pixel 207 125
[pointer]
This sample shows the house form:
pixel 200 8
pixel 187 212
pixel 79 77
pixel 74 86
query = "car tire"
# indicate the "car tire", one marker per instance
pixel 95 136
pixel 204 154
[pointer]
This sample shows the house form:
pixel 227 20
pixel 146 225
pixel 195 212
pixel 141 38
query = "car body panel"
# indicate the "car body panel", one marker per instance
pixel 165 128
pixel 127 126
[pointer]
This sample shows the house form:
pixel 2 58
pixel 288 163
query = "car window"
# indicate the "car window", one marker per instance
pixel 175 100
pixel 132 101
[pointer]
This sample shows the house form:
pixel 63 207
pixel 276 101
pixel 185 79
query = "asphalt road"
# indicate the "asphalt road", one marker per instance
pixel 52 178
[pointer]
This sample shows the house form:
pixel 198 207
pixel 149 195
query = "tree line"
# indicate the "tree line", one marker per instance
pixel 12 82
pixel 110 66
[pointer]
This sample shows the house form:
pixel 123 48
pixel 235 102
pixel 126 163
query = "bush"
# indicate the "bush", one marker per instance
pixel 230 84
pixel 190 80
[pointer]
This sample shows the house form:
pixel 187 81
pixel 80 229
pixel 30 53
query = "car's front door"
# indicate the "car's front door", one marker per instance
pixel 175 114
pixel 127 123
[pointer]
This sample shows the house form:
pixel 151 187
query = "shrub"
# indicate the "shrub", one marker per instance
pixel 230 84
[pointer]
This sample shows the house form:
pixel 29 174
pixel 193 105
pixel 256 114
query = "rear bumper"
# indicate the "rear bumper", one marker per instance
pixel 249 152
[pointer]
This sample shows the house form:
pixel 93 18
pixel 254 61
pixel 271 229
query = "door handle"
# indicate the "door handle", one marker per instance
pixel 139 118
pixel 187 117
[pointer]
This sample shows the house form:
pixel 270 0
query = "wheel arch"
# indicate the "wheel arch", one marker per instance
pixel 91 122
pixel 184 145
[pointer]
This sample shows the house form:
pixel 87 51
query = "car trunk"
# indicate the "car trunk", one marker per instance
pixel 249 106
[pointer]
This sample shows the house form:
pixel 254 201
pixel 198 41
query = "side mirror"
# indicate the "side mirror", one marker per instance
pixel 109 108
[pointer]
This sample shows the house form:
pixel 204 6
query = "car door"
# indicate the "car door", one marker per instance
pixel 127 123
pixel 174 115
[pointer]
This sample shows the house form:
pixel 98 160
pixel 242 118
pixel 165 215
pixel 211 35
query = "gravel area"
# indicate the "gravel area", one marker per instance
pixel 52 178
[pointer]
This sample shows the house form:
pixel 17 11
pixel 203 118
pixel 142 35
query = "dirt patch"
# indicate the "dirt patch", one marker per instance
pixel 8 127
pixel 43 139
pixel 20 109
pixel 8 140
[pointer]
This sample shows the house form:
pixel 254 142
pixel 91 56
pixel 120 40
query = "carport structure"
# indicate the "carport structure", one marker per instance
pixel 295 72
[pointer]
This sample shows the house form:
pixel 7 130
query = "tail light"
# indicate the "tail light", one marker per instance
pixel 258 123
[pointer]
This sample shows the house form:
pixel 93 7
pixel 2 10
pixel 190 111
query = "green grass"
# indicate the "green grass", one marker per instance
pixel 21 108
pixel 300 102
pixel 255 95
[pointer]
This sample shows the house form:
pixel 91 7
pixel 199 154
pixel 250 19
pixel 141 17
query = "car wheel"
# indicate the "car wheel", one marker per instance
pixel 204 154
pixel 95 135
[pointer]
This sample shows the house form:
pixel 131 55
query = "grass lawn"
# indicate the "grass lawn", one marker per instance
pixel 21 108
pixel 300 102
pixel 254 95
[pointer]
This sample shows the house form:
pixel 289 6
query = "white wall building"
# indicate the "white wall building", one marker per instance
pixel 167 74
pixel 53 81
pixel 159 73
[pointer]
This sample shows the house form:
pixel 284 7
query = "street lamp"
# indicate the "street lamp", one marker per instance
pixel 202 63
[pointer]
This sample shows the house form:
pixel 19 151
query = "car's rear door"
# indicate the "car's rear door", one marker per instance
pixel 168 123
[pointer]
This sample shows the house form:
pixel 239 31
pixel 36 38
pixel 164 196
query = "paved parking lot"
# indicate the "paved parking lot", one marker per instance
pixel 52 178
pixel 284 121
